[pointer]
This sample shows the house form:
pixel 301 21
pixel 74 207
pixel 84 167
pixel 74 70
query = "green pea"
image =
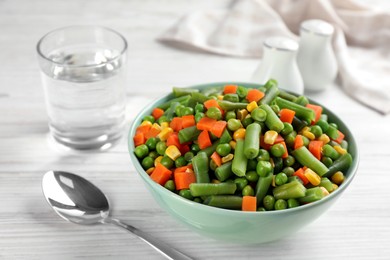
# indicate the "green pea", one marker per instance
pixel 170 185
pixel 275 108
pixel 214 113
pixel 147 162
pixel 167 162
pixel 153 155
pixel 231 97
pixel 289 171
pixel 188 156
pixel 195 148
pixel 287 129
pixel 292 203
pixel 187 111
pixel 199 108
pixel 230 115
pixel 252 176
pixel 162 119
pixel 199 116
pixel 334 125
pixel 151 143
pixel 323 124
pixel 290 139
pixel 161 147
pixel 241 183
pixel 186 193
pixel 316 130
pixel 280 204
pixel 306 140
pixel 289 161
pixel 259 114
pixel 251 165
pixel 294 178
pixel 141 151
pixel 302 100
pixel 198 200
pixel 242 92
pixel 248 191
pixel 149 118
pixel 280 178
pixel 263 168
pixel 213 165
pixel 269 202
pixel 223 149
pixel 327 161
pixel 261 209
pixel 278 150
pixel 263 155
pixel 180 161
pixel 247 121
pixel 233 124
pixel 178 110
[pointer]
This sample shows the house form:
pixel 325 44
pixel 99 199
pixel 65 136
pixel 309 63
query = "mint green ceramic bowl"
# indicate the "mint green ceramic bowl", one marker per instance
pixel 238 226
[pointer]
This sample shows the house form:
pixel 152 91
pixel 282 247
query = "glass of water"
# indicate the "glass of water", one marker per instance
pixel 83 73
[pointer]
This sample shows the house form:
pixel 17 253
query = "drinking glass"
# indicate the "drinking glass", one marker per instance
pixel 84 75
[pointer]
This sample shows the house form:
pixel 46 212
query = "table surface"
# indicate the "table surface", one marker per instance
pixel 357 226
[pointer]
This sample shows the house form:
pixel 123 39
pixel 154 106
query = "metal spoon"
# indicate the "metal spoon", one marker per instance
pixel 77 200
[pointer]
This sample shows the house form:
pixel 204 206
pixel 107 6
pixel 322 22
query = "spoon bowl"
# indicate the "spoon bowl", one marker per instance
pixel 77 200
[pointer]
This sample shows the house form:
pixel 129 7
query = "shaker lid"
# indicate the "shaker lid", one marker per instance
pixel 319 27
pixel 281 43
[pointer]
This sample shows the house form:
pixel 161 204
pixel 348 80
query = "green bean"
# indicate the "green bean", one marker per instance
pixel 227 105
pixel 298 124
pixel 329 151
pixel 211 91
pixel 209 150
pixel 287 129
pixel 149 118
pixel 178 92
pixel 224 171
pixel 241 182
pixel 312 194
pixel 270 94
pixel 278 164
pixel 270 83
pixel 208 189
pixel 332 132
pixel 290 190
pixel 239 160
pixel 327 184
pixel 185 193
pixel 199 97
pixel 323 124
pixel 259 114
pixel 262 187
pixel 242 91
pixel 225 137
pixel 169 113
pixel 285 95
pixel 344 144
pixel 251 165
pixel 181 100
pixel 300 111
pixel 306 158
pixel 231 97
pixel 224 201
pixel 188 156
pixel 187 111
pixel 201 168
pixel 247 121
pixel 292 203
pixel 188 134
pixel 302 101
pixel 341 164
pixel 252 140
pixel 272 121
pixel 327 161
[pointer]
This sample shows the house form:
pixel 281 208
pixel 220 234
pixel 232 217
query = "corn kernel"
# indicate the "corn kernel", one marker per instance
pixel 150 170
pixel 338 178
pixel 215 181
pixel 251 106
pixel 270 136
pixel 313 177
pixel 158 160
pixel 324 138
pixel 227 158
pixel 239 134
pixel 272 162
pixel 273 181
pixel 335 187
pixel 309 135
pixel 165 133
pixel 242 114
pixel 305 129
pixel 220 97
pixel 146 122
pixel 324 191
pixel 172 152
pixel 164 125
pixel 339 149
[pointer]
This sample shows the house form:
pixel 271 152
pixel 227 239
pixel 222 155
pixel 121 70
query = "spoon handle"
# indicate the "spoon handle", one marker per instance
pixel 166 250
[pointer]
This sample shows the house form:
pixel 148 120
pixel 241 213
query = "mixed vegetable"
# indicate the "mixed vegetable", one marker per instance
pixel 239 148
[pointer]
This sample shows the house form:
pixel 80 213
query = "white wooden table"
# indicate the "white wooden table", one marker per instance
pixel 356 227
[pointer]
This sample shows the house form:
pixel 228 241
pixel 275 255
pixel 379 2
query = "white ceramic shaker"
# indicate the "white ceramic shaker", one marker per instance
pixel 279 63
pixel 316 60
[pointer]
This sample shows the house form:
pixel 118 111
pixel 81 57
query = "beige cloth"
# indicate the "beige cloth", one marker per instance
pixel 364 64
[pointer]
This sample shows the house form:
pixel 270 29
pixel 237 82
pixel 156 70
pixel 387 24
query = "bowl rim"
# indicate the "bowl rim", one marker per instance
pixel 147 110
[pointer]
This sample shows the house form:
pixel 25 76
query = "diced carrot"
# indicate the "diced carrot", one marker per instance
pixel 188 121
pixel 143 129
pixel 176 124
pixel 218 128
pixel 184 179
pixel 317 111
pixel 298 142
pixel 139 139
pixel 279 139
pixel 254 95
pixel 161 174
pixel 153 132
pixel 173 139
pixel 157 113
pixel 263 144
pixel 183 168
pixel 286 115
pixel 285 155
pixel 315 147
pixel 205 123
pixel 204 140
pixel 249 203
pixel 230 89
pixel 184 148
pixel 216 159
pixel 301 174
pixel 340 138
pixel 211 103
